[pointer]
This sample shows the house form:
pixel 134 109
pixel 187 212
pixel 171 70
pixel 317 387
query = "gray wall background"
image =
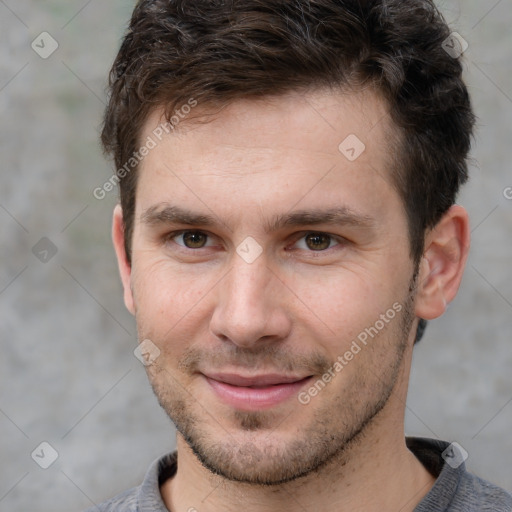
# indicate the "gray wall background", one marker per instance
pixel 67 371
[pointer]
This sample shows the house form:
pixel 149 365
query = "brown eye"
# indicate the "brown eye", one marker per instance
pixel 194 239
pixel 318 241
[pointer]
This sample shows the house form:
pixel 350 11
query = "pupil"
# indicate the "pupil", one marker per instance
pixel 196 240
pixel 318 241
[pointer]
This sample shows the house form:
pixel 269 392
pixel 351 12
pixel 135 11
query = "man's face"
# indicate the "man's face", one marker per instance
pixel 286 303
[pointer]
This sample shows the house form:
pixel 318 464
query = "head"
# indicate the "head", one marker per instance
pixel 246 108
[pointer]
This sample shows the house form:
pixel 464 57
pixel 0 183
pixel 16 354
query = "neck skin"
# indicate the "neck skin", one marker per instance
pixel 379 474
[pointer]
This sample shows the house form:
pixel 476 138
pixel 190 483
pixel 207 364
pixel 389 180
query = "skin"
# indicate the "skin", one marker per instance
pixel 295 309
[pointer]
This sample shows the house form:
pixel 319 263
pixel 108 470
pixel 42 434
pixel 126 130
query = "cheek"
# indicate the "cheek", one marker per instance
pixel 341 305
pixel 166 298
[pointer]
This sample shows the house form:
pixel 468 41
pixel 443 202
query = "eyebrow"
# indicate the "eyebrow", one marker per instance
pixel 164 213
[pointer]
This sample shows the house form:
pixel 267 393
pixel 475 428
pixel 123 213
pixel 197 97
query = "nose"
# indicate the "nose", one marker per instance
pixel 251 305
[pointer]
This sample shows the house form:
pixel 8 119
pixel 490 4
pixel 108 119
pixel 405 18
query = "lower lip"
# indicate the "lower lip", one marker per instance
pixel 249 399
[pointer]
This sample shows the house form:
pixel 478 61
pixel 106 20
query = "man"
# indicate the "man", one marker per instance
pixel 288 173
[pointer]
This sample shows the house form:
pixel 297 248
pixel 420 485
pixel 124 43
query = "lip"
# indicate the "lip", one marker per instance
pixel 254 392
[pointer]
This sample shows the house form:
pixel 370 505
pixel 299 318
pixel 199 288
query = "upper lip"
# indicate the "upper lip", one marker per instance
pixel 268 379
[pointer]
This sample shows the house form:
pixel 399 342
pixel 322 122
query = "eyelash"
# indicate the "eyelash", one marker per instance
pixel 340 240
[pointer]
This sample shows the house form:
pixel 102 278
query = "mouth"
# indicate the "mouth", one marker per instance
pixel 255 392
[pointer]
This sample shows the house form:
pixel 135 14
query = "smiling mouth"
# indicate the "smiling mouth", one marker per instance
pixel 256 392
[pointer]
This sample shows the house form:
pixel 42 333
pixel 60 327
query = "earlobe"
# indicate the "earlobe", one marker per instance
pixel 443 263
pixel 124 266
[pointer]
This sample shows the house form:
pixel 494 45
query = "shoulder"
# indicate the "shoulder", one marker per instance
pixel 455 488
pixel 477 495
pixel 123 502
pixel 146 497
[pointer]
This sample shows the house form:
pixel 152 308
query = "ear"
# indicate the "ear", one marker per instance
pixel 443 262
pixel 125 268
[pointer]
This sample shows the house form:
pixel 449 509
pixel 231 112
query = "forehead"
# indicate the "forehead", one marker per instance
pixel 311 120
pixel 317 146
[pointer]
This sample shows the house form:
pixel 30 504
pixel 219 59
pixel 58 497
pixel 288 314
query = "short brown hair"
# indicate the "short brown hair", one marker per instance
pixel 218 51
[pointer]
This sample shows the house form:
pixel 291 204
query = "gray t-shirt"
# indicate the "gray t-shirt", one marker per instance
pixel 455 490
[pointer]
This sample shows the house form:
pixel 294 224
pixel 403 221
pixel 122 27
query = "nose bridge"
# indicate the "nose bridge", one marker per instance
pixel 246 293
pixel 247 307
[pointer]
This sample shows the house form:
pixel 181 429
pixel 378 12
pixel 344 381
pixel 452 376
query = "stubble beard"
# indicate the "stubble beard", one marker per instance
pixel 256 454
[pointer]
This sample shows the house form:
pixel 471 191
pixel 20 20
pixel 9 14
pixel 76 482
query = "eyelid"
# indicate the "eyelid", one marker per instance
pixel 169 237
pixel 341 241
